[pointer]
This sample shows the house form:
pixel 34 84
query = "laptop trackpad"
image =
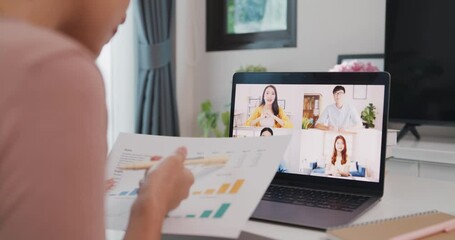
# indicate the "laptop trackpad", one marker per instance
pixel 301 215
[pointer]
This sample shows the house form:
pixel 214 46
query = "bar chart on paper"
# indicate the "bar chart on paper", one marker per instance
pixel 222 198
pixel 201 199
pixel 216 203
pixel 126 193
pixel 208 213
pixel 225 188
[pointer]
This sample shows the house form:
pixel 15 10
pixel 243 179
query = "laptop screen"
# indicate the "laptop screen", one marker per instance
pixel 336 129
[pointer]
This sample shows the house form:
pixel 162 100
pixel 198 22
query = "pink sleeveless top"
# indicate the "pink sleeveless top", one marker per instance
pixel 52 136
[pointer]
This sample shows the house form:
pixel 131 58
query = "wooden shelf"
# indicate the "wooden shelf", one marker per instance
pixel 312 106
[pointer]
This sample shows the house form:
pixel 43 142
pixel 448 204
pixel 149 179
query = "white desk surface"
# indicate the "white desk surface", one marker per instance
pixel 403 195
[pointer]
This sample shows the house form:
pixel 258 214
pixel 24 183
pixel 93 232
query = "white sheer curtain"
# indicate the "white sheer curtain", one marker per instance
pixel 105 65
pixel 117 63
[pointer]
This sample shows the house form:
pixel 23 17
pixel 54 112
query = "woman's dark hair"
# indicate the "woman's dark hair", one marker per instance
pixel 267 129
pixel 343 153
pixel 275 107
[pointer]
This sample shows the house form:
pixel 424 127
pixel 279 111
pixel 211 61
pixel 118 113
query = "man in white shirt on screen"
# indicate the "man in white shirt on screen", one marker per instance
pixel 339 116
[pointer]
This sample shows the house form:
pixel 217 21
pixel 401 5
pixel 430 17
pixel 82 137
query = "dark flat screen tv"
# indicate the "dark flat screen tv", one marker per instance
pixel 420 56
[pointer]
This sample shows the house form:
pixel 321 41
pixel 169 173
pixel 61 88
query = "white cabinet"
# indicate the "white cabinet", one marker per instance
pixel 437 171
pixel 427 149
pixel 431 157
pixel 402 167
pixel 424 169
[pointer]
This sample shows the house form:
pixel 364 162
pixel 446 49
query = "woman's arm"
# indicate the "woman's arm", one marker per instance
pixel 282 119
pixel 329 168
pixel 255 117
pixel 345 168
pixel 162 190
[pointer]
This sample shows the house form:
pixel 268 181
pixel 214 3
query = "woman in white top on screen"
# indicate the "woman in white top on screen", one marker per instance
pixel 268 132
pixel 268 113
pixel 339 164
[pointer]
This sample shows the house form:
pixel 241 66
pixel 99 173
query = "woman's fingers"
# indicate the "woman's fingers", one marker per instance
pixel 155 158
pixel 108 184
pixel 169 182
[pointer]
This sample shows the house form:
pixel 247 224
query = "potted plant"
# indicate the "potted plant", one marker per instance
pixel 368 115
pixel 252 68
pixel 208 121
pixel 307 123
pixel 225 118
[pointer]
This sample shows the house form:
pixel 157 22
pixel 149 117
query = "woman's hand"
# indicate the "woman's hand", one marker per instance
pixel 109 184
pixel 162 190
pixel 169 182
pixel 277 119
pixel 264 115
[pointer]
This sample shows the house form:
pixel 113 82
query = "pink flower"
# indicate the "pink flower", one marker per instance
pixel 354 66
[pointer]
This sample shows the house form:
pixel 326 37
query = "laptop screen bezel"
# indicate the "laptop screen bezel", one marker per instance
pixel 324 78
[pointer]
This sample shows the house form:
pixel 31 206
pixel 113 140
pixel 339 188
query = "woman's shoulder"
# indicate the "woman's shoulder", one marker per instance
pixel 28 51
pixel 30 44
pixel 42 59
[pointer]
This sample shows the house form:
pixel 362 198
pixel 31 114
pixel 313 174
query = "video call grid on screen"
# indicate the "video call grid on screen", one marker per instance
pixel 311 149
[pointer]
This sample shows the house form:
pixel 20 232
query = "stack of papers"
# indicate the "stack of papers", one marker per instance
pixel 223 196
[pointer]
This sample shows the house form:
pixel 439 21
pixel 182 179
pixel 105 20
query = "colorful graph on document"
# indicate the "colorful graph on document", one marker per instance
pixel 125 193
pixel 207 213
pixel 225 188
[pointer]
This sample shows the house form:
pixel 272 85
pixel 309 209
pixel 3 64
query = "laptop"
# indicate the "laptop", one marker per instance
pixel 333 168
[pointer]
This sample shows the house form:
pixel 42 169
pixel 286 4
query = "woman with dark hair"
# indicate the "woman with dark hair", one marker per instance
pixel 268 113
pixel 265 132
pixel 54 125
pixel 268 132
pixel 339 164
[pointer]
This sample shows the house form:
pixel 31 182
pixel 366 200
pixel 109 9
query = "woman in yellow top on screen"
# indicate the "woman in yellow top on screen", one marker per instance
pixel 268 113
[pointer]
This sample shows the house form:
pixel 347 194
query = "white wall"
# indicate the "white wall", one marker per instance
pixel 325 29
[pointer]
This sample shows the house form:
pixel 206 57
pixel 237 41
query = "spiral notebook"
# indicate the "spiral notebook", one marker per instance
pixel 392 227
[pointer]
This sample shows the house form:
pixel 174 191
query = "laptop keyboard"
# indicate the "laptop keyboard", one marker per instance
pixel 314 198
